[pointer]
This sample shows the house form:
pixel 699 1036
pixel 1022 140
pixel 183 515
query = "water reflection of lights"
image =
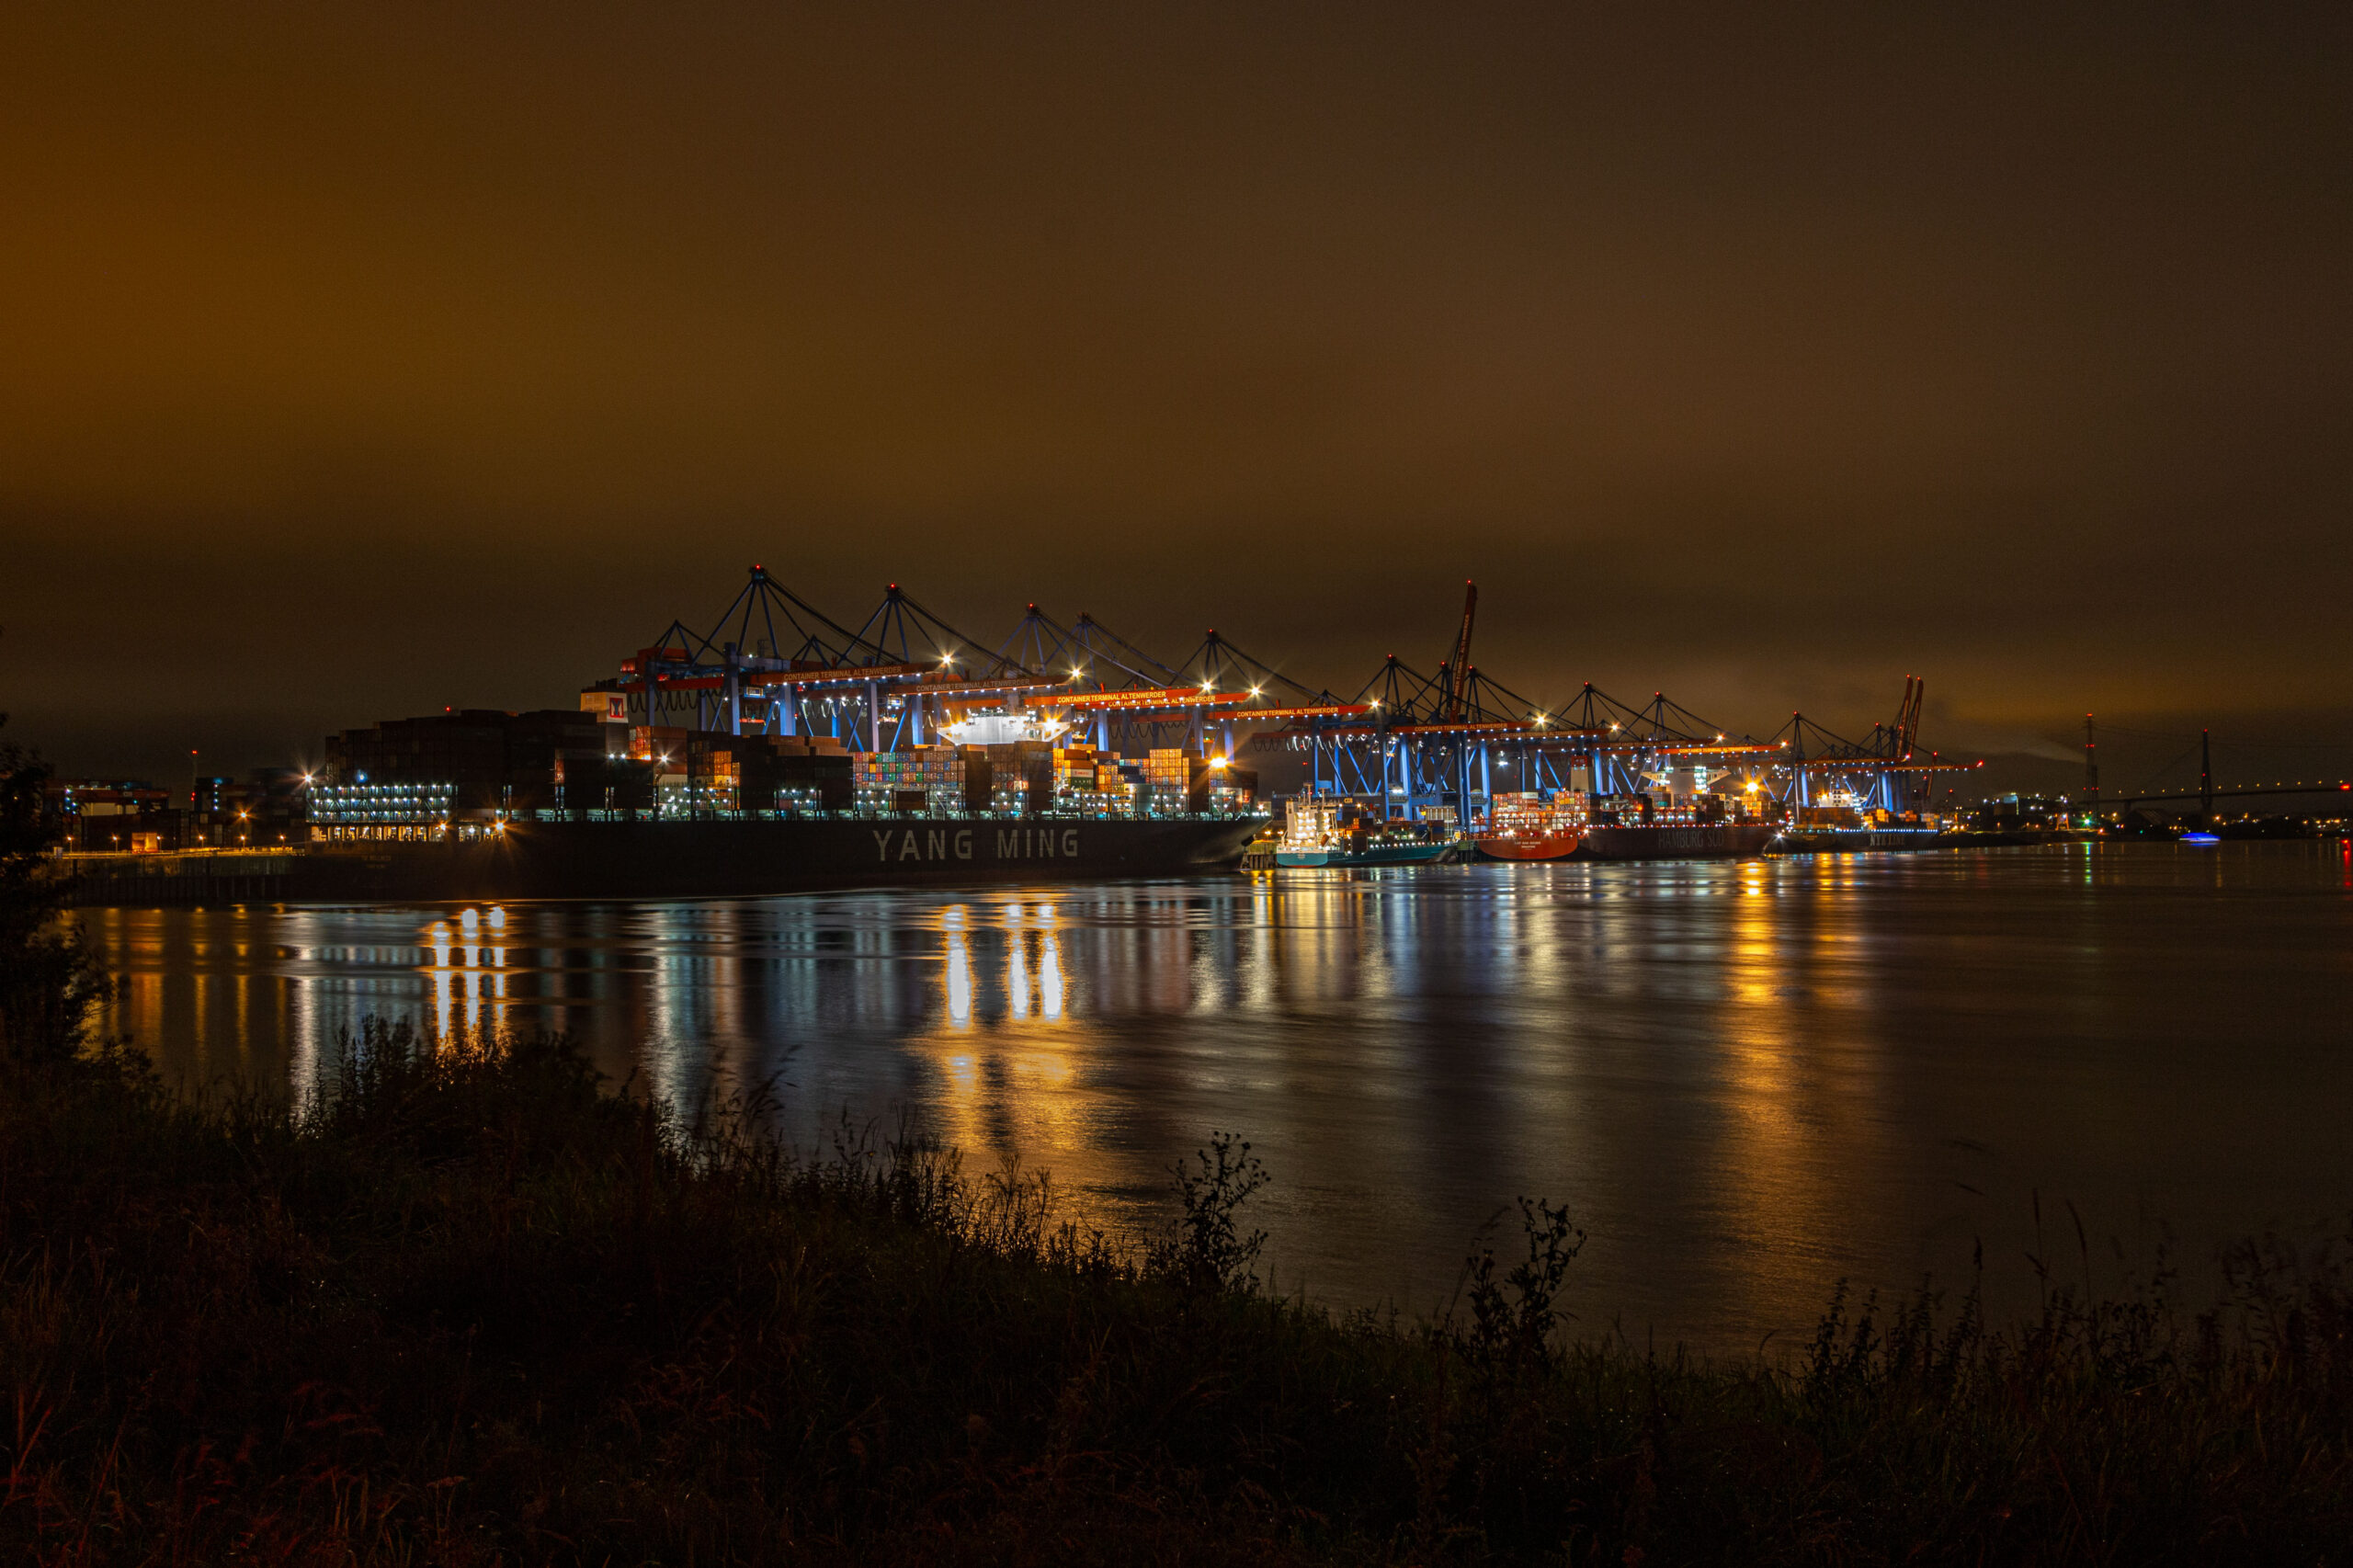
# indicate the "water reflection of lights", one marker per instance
pixel 1050 977
pixel 1738 1065
pixel 960 967
pixel 1006 1081
pixel 466 971
pixel 1016 965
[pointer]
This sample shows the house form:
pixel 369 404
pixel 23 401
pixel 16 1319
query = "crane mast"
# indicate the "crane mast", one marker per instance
pixel 1457 668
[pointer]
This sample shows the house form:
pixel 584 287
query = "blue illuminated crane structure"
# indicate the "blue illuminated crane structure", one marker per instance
pixel 1882 771
pixel 1408 744
pixel 776 664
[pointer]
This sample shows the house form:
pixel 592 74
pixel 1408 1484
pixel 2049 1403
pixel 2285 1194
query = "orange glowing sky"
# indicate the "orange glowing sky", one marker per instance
pixel 357 360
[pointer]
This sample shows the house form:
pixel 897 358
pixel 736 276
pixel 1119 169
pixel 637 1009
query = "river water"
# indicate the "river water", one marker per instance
pixel 1748 1081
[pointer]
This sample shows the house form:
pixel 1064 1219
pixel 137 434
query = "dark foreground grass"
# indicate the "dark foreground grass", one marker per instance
pixel 471 1308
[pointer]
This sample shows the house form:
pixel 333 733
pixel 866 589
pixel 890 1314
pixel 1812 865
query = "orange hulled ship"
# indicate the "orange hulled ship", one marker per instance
pixel 1524 827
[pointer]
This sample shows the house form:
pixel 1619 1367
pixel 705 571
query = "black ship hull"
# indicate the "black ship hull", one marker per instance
pixel 736 857
pixel 1699 841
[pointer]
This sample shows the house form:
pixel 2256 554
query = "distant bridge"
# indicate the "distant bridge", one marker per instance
pixel 2206 794
pixel 2206 798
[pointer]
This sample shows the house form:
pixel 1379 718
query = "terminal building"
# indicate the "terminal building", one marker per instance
pixel 104 817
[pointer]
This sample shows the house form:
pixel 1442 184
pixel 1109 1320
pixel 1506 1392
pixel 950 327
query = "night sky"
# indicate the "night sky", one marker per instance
pixel 358 360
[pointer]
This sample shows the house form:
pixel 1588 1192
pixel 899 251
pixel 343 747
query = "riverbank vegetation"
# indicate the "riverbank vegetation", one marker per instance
pixel 469 1305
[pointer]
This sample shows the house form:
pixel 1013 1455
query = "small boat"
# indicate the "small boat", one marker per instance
pixel 1393 852
pixel 1346 851
pixel 1312 837
pixel 1308 834
pixel 2201 838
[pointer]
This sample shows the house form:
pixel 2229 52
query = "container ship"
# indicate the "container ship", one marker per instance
pixel 1527 827
pixel 1567 825
pixel 486 805
pixel 1669 841
pixel 1571 825
pixel 525 859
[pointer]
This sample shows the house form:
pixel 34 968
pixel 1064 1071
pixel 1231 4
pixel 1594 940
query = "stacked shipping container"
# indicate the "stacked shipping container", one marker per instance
pixel 572 764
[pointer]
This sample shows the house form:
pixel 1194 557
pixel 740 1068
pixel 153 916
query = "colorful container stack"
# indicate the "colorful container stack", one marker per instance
pixel 1088 782
pixel 926 779
pixel 1172 775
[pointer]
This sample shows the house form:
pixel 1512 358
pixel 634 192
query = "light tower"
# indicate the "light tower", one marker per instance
pixel 2091 768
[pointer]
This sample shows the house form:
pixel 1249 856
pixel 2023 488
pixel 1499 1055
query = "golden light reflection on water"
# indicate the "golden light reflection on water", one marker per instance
pixel 958 977
pixel 1007 1087
pixel 1747 1079
pixel 1772 1158
pixel 466 968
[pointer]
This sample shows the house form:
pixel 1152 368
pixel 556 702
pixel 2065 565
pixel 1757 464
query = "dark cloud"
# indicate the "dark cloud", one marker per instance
pixel 355 361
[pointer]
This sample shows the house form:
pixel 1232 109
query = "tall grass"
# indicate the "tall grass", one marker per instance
pixel 469 1305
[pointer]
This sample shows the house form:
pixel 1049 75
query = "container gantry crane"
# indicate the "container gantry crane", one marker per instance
pixel 1405 743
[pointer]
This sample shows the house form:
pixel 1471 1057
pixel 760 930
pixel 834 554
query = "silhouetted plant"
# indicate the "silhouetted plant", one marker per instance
pixel 48 981
pixel 1512 1319
pixel 1209 1249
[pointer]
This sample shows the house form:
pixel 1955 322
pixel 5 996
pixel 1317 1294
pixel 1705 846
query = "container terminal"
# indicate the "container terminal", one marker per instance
pixel 782 748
